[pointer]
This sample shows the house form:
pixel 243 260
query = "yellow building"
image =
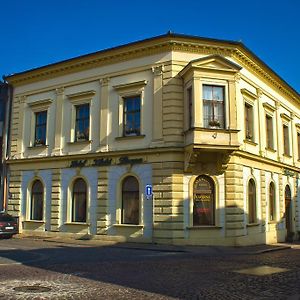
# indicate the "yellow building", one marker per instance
pixel 204 123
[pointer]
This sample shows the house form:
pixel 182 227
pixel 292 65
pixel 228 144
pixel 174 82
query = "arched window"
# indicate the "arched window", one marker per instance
pixel 252 217
pixel 130 201
pixel 288 211
pixel 204 201
pixel 272 202
pixel 79 201
pixel 37 201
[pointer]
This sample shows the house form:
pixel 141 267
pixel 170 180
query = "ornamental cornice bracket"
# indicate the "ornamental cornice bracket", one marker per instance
pixel 104 81
pixel 157 70
pixel 59 91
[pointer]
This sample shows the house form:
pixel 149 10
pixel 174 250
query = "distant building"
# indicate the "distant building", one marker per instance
pixel 203 123
pixel 5 97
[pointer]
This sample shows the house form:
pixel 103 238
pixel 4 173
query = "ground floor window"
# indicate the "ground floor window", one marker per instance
pixel 251 202
pixel 203 201
pixel 130 201
pixel 79 201
pixel 37 201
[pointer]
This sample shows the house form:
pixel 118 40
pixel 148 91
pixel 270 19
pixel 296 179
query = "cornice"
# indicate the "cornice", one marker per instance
pixel 165 43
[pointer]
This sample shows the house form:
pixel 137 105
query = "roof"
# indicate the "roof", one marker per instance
pixel 157 44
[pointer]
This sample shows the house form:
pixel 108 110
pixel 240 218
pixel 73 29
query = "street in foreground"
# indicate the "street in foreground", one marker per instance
pixel 41 269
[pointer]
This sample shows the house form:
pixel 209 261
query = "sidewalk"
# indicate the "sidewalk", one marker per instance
pixel 208 250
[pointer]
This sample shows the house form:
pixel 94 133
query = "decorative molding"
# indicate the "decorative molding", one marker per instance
pixel 286 117
pixel 130 86
pixel 259 92
pixel 40 105
pixel 158 70
pixel 249 94
pixel 157 45
pixel 104 81
pixel 59 91
pixel 81 96
pixel 269 107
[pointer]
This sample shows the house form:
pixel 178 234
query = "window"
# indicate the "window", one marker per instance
pixel 286 140
pixel 37 201
pixel 132 116
pixel 298 141
pixel 203 201
pixel 213 106
pixel 190 106
pixel 40 128
pixel 269 127
pixel 130 201
pixel 272 203
pixel 82 123
pixel 251 202
pixel 79 200
pixel 249 122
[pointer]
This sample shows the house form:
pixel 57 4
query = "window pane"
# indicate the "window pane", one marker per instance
pixel 79 201
pixel 251 202
pixel 269 124
pixel 130 201
pixel 40 128
pixel 37 203
pixel 82 122
pixel 286 140
pixel 272 203
pixel 132 116
pixel 213 106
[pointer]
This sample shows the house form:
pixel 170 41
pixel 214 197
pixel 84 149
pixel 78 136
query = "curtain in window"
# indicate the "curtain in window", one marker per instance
pixel 130 201
pixel 79 201
pixel 204 201
pixel 37 201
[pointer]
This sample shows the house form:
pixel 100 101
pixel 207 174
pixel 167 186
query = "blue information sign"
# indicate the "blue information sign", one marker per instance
pixel 148 190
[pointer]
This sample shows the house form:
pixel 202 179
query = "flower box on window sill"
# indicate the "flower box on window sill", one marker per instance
pixel 252 224
pixel 214 123
pixel 80 142
pixel 39 143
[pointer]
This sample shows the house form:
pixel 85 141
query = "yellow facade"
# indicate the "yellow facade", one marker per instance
pixel 176 145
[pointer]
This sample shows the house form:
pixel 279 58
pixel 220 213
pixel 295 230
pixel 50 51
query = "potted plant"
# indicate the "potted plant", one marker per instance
pixel 214 123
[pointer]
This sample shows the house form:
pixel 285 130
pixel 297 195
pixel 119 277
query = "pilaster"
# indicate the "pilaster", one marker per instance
pixel 104 114
pixel 261 122
pixel 55 199
pixel 58 122
pixel 20 137
pixel 157 118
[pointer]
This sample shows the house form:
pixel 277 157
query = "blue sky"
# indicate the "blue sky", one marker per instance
pixel 35 32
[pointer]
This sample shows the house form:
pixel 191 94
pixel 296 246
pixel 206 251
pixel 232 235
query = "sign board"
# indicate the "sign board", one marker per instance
pixel 148 191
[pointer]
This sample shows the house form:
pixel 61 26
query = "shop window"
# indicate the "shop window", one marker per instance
pixel 130 201
pixel 132 116
pixel 82 123
pixel 37 201
pixel 40 128
pixel 213 106
pixel 272 202
pixel 203 201
pixel 79 201
pixel 252 217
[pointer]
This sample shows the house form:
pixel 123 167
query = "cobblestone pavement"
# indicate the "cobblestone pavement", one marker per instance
pixel 85 271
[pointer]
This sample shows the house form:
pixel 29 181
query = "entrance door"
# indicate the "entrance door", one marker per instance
pixel 288 214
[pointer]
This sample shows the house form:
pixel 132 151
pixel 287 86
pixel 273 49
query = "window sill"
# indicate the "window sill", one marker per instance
pixel 271 150
pixel 213 129
pixel 252 224
pixel 250 142
pixel 129 225
pixel 34 221
pixel 272 222
pixel 204 227
pixel 77 223
pixel 38 147
pixel 129 137
pixel 286 155
pixel 80 142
